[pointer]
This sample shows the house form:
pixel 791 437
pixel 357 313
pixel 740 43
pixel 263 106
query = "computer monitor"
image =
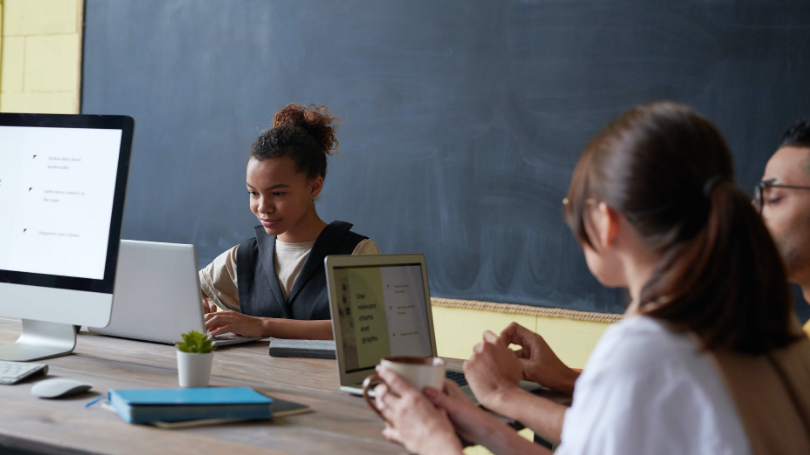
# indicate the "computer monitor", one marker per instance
pixel 63 181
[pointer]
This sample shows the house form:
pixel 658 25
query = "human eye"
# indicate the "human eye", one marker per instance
pixel 253 193
pixel 279 193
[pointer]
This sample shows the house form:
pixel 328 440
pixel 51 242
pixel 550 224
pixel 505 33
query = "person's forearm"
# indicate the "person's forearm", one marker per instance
pixel 297 330
pixel 446 445
pixel 501 439
pixel 540 414
pixel 565 382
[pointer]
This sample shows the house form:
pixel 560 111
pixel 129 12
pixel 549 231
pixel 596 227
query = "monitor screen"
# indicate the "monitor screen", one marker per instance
pixel 56 196
pixel 382 312
pixel 62 187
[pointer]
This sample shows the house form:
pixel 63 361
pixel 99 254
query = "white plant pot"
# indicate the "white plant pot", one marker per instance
pixel 194 370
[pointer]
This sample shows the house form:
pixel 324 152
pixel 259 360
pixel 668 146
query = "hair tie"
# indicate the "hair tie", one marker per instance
pixel 708 187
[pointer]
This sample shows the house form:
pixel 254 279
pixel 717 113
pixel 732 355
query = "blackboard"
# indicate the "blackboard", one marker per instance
pixel 461 119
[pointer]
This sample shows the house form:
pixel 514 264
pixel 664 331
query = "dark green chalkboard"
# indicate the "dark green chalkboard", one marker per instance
pixel 462 119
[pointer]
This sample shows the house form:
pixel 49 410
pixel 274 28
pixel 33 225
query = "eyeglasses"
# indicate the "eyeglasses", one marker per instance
pixel 588 201
pixel 761 192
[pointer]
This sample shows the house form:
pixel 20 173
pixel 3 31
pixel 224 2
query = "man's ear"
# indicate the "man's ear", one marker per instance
pixel 608 225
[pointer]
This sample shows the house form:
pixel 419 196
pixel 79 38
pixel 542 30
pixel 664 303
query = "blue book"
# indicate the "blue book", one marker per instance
pixel 175 405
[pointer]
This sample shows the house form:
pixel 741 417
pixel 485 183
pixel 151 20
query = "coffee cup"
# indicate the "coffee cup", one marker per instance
pixel 419 372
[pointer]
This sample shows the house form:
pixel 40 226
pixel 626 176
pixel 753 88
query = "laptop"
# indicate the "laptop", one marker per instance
pixel 157 295
pixel 381 307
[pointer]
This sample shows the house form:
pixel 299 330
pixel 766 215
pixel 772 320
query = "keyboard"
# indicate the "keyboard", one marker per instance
pixel 13 372
pixel 457 377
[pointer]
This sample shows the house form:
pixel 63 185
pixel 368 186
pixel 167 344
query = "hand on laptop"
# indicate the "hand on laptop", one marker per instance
pixel 208 305
pixel 540 363
pixel 234 322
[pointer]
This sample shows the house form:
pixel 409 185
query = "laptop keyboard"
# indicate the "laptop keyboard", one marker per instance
pixel 457 377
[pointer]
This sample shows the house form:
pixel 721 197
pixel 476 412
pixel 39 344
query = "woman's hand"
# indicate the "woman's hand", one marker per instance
pixel 478 426
pixel 232 321
pixel 470 421
pixel 414 421
pixel 539 362
pixel 492 371
pixel 208 305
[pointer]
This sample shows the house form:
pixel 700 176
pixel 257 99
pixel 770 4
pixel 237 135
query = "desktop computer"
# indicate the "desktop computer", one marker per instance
pixel 63 182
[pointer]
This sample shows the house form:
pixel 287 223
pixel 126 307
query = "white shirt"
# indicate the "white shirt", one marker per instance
pixel 290 258
pixel 647 390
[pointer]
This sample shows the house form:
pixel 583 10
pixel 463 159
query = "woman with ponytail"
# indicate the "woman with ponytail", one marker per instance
pixel 274 284
pixel 709 358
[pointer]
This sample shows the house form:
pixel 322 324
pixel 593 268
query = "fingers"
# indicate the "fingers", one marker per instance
pixel 490 337
pixel 523 353
pixel 392 434
pixel 227 328
pixel 222 316
pixel 395 382
pixel 508 333
pixel 515 333
pixel 441 400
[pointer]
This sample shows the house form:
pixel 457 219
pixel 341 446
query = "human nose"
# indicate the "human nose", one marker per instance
pixel 266 206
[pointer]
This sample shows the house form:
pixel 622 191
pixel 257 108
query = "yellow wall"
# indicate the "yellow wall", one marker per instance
pixel 458 330
pixel 41 56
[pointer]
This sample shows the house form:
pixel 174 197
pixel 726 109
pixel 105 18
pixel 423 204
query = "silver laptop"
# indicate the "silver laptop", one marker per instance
pixel 381 307
pixel 157 294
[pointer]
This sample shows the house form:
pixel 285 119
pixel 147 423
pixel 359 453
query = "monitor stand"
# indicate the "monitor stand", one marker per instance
pixel 40 340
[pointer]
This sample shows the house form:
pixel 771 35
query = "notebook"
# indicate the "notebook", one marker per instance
pixel 173 405
pixel 281 409
pixel 313 349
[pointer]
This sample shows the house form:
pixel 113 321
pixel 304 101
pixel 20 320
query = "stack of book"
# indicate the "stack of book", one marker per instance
pixel 188 407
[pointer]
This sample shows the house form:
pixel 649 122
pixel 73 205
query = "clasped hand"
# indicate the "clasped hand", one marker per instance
pixel 494 370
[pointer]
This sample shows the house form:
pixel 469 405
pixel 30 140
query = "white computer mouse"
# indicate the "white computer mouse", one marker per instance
pixel 59 388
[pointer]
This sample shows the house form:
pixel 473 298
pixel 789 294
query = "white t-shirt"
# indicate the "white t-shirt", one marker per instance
pixel 290 258
pixel 647 390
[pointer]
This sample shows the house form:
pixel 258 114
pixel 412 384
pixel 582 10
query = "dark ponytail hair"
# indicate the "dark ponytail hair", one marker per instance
pixel 304 133
pixel 670 173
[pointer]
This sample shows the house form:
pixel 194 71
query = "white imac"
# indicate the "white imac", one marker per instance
pixel 63 181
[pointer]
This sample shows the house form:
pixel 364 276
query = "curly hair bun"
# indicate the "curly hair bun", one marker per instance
pixel 314 119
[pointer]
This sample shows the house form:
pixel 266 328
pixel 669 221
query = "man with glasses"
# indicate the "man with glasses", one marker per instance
pixel 783 199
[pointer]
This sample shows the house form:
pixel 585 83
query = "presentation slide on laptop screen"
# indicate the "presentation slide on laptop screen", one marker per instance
pixel 382 312
pixel 56 198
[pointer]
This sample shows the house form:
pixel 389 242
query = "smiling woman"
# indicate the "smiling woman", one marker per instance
pixel 273 284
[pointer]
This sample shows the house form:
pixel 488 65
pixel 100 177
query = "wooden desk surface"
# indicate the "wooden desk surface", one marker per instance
pixel 340 424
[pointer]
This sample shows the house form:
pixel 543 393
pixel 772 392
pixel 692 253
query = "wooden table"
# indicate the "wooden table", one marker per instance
pixel 340 423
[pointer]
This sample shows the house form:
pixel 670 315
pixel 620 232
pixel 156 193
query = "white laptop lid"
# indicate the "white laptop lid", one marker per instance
pixel 380 307
pixel 157 292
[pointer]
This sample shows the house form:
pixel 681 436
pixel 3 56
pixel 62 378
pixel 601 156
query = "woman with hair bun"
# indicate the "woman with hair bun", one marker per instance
pixel 274 284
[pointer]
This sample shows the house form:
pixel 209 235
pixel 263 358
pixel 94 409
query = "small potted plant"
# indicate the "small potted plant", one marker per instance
pixel 195 355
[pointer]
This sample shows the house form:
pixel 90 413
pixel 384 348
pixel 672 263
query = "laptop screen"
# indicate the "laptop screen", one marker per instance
pixel 381 312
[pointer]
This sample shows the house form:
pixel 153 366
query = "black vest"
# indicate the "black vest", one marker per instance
pixel 259 290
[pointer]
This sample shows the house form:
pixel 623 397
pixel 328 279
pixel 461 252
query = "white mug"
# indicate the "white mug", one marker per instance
pixel 419 372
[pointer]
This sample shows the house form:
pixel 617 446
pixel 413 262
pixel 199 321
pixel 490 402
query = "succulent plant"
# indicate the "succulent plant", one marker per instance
pixel 195 342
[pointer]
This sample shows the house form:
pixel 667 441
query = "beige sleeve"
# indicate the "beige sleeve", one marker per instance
pixel 218 280
pixel 366 247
